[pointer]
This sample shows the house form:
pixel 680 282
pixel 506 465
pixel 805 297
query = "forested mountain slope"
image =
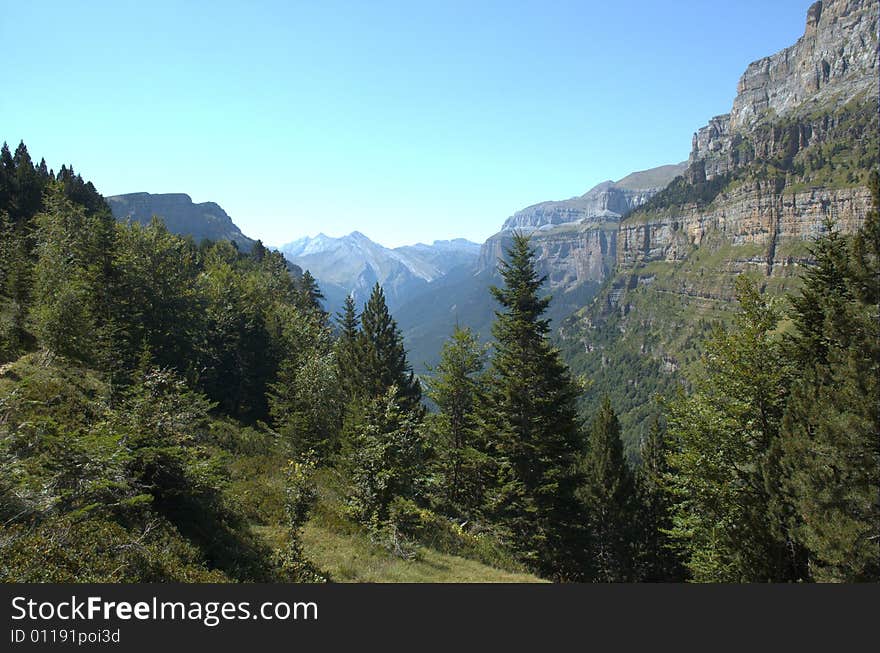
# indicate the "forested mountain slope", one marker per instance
pixel 763 181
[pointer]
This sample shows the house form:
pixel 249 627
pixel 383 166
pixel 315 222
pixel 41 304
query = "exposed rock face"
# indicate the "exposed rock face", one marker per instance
pixel 607 201
pixel 833 62
pixel 576 240
pixel 568 257
pixel 753 213
pixel 785 103
pixel 181 216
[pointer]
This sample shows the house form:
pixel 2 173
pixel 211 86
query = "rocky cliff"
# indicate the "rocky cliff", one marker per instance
pixel 606 201
pixel 764 180
pixel 794 150
pixel 201 221
pixel 576 240
pixel 567 255
pixel 832 63
pixel 750 214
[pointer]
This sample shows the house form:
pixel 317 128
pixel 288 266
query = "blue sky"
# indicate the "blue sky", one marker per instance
pixel 409 121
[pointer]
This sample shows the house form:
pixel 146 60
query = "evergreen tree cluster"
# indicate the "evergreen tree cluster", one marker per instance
pixel 775 458
pixel 138 367
pixel 124 351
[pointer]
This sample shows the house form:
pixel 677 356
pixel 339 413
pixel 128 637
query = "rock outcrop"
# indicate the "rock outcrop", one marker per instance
pixel 752 213
pixel 568 257
pixel 832 63
pixel 763 180
pixel 609 200
pixel 205 221
pixel 822 91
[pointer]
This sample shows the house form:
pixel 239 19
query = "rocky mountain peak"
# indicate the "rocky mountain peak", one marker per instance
pixel 607 201
pixel 833 62
pixel 203 221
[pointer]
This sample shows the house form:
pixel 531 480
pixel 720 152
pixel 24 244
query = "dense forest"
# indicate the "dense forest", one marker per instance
pixel 181 411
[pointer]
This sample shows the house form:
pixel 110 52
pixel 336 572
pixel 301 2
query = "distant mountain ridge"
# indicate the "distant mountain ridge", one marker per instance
pixel 204 221
pixel 609 200
pixel 354 263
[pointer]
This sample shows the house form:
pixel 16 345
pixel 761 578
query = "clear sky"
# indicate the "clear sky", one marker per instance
pixel 409 121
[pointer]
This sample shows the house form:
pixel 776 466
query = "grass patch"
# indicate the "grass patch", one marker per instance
pixel 350 557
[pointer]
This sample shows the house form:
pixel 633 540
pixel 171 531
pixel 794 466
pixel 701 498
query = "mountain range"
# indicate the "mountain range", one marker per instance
pixel 640 268
pixel 763 180
pixel 609 200
pixel 205 221
pixel 352 264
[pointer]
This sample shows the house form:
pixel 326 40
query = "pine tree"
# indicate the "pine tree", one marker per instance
pixel 67 278
pixel 731 514
pixel 310 295
pixel 346 349
pixel 607 494
pixel 384 458
pixel 306 401
pixel 155 298
pixel 381 356
pixel 532 425
pixel 16 278
pixel 461 463
pixel 656 558
pixel 28 186
pixel 832 421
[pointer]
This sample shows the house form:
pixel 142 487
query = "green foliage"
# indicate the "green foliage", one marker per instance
pixel 382 360
pixel 531 426
pixel 307 401
pixel 832 422
pixel 301 495
pixel 16 277
pixel 385 457
pixel 70 275
pixel 154 297
pixel 131 357
pixel 461 466
pixel 141 472
pixel 608 497
pixel 411 525
pixel 346 349
pixel 307 405
pixel 309 295
pixel 729 510
pixel 70 550
pixel 656 557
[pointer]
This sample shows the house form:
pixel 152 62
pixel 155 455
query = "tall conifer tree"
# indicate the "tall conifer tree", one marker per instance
pixel 461 463
pixel 532 423
pixel 607 494
pixel 831 428
pixel 382 358
pixel 346 348
pixel 656 557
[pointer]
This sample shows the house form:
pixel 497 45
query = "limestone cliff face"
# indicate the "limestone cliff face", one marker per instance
pixel 833 62
pixel 601 203
pixel 752 213
pixel 201 221
pixel 799 108
pixel 609 200
pixel 576 239
pixel 569 257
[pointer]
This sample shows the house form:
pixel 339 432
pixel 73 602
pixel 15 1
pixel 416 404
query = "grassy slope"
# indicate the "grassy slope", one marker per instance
pixel 343 548
pixel 350 557
pixel 69 393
